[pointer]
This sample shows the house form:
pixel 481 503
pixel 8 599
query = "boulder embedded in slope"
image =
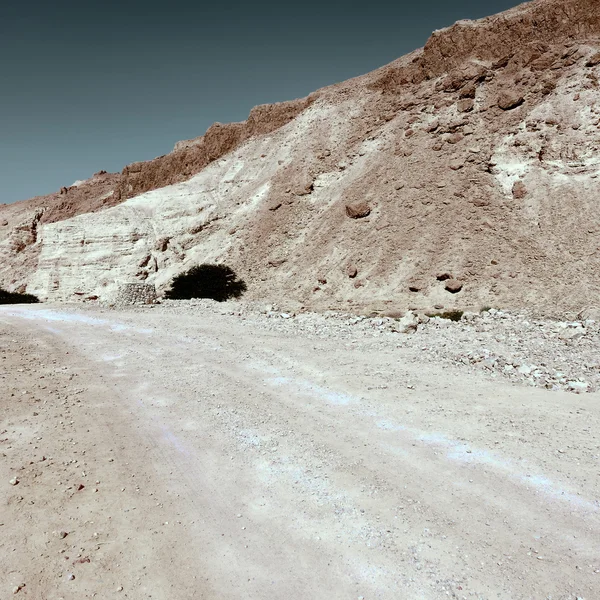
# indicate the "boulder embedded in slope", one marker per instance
pixel 358 210
pixel 593 60
pixel 519 190
pixel 351 271
pixel 453 286
pixel 507 100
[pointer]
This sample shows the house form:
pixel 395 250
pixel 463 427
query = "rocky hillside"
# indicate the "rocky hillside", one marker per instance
pixel 464 174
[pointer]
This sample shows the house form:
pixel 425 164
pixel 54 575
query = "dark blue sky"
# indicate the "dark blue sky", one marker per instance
pixel 95 85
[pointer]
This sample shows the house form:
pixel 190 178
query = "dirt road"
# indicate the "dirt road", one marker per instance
pixel 147 454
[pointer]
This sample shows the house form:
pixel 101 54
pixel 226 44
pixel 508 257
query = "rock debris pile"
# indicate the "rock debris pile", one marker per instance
pixel 556 355
pixel 135 293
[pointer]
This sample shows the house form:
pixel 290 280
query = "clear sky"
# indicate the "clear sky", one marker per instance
pixel 89 85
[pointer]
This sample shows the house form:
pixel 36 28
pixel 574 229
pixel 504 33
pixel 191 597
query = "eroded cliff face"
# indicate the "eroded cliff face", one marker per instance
pixel 191 156
pixel 479 166
pixel 19 251
pixel 522 34
pixel 21 222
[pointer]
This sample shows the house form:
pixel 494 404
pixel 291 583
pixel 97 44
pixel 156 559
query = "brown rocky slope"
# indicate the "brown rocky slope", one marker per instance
pixel 463 174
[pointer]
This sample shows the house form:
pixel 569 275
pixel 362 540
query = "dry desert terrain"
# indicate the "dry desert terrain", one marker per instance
pixel 224 452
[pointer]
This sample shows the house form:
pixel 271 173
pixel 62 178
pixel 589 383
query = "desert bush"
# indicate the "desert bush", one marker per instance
pixel 217 282
pixel 17 298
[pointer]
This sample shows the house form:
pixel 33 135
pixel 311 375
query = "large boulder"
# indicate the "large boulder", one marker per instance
pixel 358 210
pixel 508 99
pixel 453 286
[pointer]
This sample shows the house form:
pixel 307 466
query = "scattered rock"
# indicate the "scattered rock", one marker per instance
pixel 519 190
pixel 508 100
pixel 577 386
pixel 594 60
pixel 408 323
pixel 572 333
pixel 276 262
pixel 453 286
pixel 196 229
pixel 469 91
pixel 162 243
pixel 495 341
pixel 144 261
pixel 465 105
pixel 455 138
pixel 358 210
pixel 351 271
pixel 525 369
pixel 304 188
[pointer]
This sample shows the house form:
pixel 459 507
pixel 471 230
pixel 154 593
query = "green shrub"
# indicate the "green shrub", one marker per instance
pixel 452 315
pixel 217 282
pixel 17 298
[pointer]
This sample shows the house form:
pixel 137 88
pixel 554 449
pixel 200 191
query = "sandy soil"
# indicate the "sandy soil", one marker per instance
pixel 200 455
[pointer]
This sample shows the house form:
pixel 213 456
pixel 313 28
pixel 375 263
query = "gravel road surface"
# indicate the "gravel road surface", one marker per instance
pixel 163 454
